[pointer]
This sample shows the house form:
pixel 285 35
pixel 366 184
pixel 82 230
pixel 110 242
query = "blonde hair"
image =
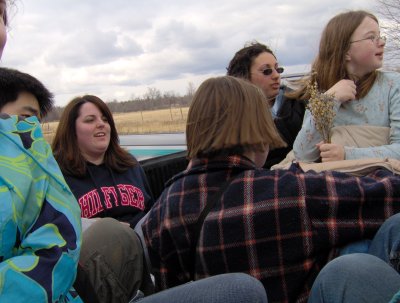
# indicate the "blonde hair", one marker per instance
pixel 229 115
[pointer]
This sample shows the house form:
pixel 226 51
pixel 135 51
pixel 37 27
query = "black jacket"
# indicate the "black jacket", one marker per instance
pixel 288 122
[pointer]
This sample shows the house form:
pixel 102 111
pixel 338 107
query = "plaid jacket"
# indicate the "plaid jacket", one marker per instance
pixel 279 226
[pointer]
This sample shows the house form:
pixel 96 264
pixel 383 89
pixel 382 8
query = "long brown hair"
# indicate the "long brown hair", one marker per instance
pixel 329 66
pixel 65 143
pixel 229 115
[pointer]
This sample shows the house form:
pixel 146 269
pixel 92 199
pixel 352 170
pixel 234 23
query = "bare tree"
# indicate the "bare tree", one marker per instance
pixel 389 10
pixel 152 93
pixel 191 89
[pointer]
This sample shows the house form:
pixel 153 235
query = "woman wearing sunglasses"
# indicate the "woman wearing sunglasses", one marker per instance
pixel 257 63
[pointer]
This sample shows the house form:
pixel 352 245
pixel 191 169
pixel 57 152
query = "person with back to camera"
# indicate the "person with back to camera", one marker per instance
pixel 279 226
pixel 40 224
pixel 257 63
pixel 367 100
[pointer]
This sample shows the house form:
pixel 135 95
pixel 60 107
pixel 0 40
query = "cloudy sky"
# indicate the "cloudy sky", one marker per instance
pixel 118 49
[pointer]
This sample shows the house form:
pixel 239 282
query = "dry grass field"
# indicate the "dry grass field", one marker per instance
pixel 144 122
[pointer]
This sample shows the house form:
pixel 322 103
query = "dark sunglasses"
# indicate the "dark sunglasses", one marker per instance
pixel 268 71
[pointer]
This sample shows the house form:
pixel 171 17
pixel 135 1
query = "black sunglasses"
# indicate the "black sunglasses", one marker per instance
pixel 268 71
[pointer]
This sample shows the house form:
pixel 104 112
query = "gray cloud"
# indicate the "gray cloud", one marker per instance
pixel 119 48
pixel 90 46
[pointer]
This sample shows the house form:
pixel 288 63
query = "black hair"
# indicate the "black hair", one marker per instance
pixel 14 82
pixel 241 63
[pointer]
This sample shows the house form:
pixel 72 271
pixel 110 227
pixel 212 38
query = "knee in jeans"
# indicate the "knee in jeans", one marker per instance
pixel 347 264
pixel 392 221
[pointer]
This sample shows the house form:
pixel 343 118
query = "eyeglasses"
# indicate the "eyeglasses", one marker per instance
pixel 268 71
pixel 374 39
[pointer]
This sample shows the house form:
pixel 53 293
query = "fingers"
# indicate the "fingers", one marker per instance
pixel 331 152
pixel 353 90
pixel 327 156
pixel 349 90
pixel 344 90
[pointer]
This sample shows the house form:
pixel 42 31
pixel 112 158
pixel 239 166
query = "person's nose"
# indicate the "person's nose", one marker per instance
pixel 100 123
pixel 382 41
pixel 275 74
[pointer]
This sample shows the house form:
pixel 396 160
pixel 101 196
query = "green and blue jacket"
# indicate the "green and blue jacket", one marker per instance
pixel 40 225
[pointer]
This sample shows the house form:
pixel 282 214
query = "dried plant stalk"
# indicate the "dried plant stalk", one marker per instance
pixel 321 107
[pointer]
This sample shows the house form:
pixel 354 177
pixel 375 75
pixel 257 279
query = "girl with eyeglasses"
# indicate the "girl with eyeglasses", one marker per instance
pixel 367 100
pixel 258 64
pixel 225 214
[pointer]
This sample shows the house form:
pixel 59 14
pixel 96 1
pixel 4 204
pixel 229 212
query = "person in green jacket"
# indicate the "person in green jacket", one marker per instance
pixel 40 218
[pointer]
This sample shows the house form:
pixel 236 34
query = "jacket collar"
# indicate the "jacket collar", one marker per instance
pixel 204 165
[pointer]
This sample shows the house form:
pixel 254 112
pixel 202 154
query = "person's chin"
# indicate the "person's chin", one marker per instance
pixel 273 94
pixel 102 147
pixel 378 61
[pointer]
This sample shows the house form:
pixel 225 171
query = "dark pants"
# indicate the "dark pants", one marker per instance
pixel 111 263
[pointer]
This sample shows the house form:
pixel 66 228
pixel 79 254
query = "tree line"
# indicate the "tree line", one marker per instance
pixel 153 99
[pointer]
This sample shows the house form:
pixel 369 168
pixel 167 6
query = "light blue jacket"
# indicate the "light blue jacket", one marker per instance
pixel 380 107
pixel 40 225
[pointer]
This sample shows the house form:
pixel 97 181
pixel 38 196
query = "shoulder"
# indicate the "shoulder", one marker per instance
pixel 389 76
pixel 287 95
pixel 290 104
pixel 136 172
pixel 389 82
pixel 72 179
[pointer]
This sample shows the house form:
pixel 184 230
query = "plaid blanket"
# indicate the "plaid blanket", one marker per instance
pixel 279 226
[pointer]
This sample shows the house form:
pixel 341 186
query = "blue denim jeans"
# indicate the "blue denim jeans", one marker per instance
pixel 363 277
pixel 356 247
pixel 224 288
pixel 355 278
pixel 386 243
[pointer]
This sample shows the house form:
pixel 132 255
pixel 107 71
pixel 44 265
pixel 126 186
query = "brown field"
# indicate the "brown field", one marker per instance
pixel 144 122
